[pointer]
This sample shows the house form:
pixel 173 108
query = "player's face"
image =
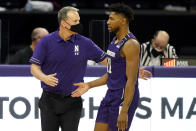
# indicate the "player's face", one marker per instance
pixel 114 22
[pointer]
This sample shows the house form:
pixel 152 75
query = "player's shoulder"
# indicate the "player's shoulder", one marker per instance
pixel 131 48
pixel 131 43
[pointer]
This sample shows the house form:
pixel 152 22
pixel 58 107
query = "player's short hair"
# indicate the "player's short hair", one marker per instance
pixel 62 13
pixel 123 9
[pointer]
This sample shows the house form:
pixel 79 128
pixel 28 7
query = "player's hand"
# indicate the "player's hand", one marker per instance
pixel 122 122
pixel 82 88
pixel 51 80
pixel 144 74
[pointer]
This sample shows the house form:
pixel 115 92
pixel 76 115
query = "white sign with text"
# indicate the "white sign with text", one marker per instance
pixel 165 104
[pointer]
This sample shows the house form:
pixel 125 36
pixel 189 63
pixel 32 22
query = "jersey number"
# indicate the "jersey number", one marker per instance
pixel 109 65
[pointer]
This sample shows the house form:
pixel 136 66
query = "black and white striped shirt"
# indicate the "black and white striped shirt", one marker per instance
pixel 148 59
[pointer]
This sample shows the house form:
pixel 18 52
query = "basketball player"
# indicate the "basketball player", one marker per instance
pixel 121 77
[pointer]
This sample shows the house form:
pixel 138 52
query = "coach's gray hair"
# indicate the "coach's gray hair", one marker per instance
pixel 62 13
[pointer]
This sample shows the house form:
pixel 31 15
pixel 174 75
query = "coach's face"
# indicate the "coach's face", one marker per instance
pixel 115 21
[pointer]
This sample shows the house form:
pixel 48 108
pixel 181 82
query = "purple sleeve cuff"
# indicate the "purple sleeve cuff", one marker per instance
pixel 34 61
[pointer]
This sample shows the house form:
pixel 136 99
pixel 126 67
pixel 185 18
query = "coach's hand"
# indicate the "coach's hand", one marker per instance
pixel 82 88
pixel 51 80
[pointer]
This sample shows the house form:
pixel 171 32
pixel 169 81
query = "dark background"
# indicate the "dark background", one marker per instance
pixel 16 26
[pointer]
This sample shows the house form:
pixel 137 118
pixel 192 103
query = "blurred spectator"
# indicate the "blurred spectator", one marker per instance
pixel 11 4
pixel 174 5
pixel 58 4
pixel 92 4
pixel 142 4
pixel 152 51
pixel 23 55
pixel 39 6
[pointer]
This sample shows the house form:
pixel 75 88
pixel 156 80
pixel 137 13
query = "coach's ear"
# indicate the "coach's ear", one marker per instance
pixel 64 24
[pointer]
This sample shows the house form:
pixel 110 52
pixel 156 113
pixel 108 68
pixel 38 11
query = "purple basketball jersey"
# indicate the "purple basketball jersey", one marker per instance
pixel 116 66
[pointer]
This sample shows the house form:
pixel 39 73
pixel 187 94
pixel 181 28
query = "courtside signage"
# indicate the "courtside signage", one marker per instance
pixel 165 104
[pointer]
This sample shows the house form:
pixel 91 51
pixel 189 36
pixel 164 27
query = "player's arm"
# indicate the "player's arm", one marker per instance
pixel 84 87
pixel 143 74
pixel 104 62
pixel 50 80
pixel 131 52
pixel 98 82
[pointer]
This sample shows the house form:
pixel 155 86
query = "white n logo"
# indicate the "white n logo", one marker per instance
pixel 76 50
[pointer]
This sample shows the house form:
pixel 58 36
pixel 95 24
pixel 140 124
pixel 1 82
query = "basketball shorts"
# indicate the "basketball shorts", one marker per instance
pixel 109 108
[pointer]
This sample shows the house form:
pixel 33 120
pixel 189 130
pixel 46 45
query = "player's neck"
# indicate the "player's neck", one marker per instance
pixel 122 33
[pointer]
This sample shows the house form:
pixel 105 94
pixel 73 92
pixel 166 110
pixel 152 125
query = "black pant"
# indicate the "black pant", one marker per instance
pixel 58 111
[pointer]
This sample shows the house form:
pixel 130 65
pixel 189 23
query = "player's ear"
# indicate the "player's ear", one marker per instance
pixel 124 21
